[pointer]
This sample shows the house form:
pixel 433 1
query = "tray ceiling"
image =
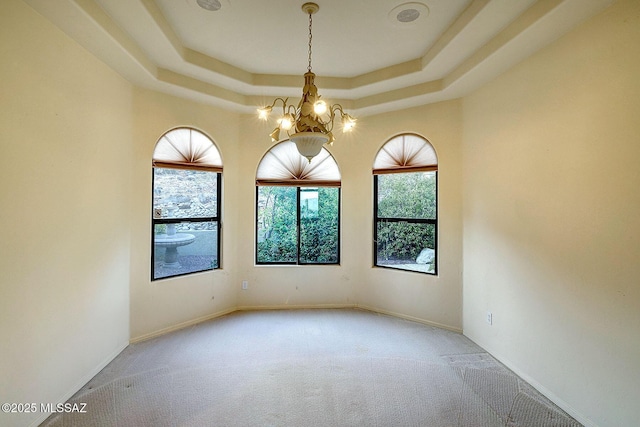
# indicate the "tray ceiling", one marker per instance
pixel 250 51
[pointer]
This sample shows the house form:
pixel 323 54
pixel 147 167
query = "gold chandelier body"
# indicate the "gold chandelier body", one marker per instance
pixel 310 131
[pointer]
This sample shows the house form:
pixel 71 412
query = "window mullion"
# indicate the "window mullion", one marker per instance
pixel 185 219
pixel 408 220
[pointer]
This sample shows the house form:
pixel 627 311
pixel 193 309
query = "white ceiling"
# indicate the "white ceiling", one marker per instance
pixel 249 51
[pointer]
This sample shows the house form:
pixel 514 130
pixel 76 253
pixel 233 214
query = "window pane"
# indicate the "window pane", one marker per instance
pixel 309 203
pixel 407 195
pixel 319 225
pixel 405 245
pixel 180 193
pixel 276 234
pixel 185 248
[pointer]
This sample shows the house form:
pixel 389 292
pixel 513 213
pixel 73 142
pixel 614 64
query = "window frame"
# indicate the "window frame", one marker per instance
pixel 405 153
pixel 187 160
pixel 385 220
pixel 298 226
pixel 178 220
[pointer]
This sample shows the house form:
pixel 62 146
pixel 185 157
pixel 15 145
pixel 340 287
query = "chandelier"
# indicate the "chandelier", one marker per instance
pixel 310 125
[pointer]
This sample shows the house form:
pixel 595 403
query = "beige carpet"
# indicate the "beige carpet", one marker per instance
pixel 309 368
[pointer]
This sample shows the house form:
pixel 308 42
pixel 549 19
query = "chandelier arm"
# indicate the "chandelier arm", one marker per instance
pixel 284 102
pixel 264 111
pixel 329 124
pixel 334 108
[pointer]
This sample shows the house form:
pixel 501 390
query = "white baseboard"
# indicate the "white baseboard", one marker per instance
pixel 81 383
pixel 292 307
pixel 181 325
pixel 412 318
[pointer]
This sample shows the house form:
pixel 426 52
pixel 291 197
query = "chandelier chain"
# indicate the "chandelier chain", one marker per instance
pixel 310 37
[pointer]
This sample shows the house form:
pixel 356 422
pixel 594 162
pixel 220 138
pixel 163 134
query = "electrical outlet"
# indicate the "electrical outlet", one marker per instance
pixel 245 285
pixel 489 318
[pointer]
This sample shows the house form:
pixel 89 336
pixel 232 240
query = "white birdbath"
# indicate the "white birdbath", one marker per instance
pixel 171 241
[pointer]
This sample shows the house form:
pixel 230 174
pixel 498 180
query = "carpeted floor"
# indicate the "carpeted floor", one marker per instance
pixel 300 368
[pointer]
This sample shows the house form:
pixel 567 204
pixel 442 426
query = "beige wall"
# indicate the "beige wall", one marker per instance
pixel 65 138
pixel 551 218
pixel 354 282
pixel 162 305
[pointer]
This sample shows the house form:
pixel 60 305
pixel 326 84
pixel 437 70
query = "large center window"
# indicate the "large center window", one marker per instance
pixel 297 208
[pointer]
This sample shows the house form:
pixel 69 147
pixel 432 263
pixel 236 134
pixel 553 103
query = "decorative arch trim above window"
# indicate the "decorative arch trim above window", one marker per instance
pixel 186 148
pixel 283 165
pixel 406 153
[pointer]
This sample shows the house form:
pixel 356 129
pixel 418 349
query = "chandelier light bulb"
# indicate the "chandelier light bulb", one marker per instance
pixel 286 122
pixel 320 107
pixel 348 123
pixel 263 113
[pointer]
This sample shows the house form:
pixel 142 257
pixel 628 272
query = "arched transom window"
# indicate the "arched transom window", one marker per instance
pixel 297 207
pixel 405 204
pixel 187 183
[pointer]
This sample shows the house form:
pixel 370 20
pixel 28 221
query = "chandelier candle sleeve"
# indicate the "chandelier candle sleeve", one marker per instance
pixel 310 125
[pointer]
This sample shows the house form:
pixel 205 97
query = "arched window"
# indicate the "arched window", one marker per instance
pixel 187 183
pixel 405 186
pixel 297 207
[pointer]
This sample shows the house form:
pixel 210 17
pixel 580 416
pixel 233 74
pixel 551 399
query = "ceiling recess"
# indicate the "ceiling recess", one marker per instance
pixel 402 54
pixel 210 5
pixel 408 14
